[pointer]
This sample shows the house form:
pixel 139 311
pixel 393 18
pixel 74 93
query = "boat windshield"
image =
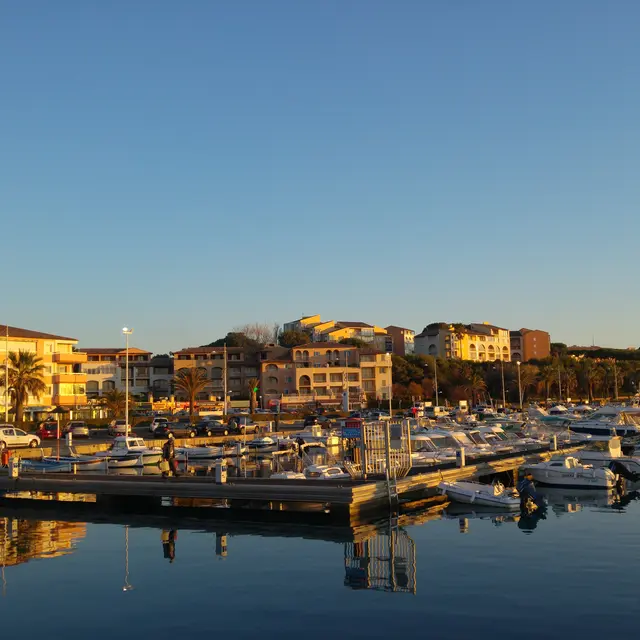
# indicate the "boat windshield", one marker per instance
pixel 475 438
pixel 445 442
pixel 135 442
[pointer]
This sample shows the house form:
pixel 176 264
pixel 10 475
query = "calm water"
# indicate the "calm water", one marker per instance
pixel 572 574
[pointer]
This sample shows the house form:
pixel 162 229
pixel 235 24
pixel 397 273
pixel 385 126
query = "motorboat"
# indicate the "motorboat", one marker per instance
pixel 458 440
pixel 288 475
pixel 569 472
pixel 46 466
pixel 266 442
pixel 80 462
pixel 603 453
pixel 489 442
pixel 315 433
pixel 610 421
pixel 325 472
pixel 127 448
pixel 489 495
pixel 560 419
pixel 193 454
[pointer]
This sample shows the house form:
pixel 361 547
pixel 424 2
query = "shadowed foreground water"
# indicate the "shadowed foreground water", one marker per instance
pixel 572 573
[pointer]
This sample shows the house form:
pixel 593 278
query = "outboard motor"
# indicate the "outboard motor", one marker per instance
pixel 620 470
pixel 529 498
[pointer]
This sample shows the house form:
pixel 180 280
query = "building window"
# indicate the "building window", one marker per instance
pixel 319 377
pixel 382 369
pixel 353 377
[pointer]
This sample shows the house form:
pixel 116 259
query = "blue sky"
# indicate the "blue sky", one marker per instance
pixel 187 167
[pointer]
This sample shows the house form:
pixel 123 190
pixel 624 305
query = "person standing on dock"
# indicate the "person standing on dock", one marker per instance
pixel 169 454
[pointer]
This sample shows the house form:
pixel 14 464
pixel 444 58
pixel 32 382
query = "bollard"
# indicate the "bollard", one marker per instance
pixel 460 458
pixel 221 473
pixel 14 466
pixel 270 426
pixel 553 444
pixel 69 439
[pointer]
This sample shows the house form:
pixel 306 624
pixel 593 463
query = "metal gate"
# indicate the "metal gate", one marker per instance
pixel 383 445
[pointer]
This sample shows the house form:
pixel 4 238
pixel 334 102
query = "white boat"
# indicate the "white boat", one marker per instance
pixel 265 442
pixel 610 421
pixel 126 449
pixel 288 475
pixel 568 472
pixel 193 454
pixel 603 452
pixel 325 472
pixel 489 495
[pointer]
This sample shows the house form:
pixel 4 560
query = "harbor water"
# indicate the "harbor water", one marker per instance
pixel 570 571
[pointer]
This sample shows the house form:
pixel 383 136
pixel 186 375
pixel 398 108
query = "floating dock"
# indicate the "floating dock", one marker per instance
pixel 340 500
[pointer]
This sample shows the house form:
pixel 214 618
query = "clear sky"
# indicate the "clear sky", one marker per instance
pixel 187 167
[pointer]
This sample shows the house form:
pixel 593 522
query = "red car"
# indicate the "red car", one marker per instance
pixel 48 430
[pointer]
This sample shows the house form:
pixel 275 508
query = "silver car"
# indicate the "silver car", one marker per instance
pixel 77 428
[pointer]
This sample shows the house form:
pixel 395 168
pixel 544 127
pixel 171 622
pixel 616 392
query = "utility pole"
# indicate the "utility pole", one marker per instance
pixel 504 395
pixel 615 378
pixel 224 379
pixel 435 379
pixel 6 375
pixel 559 383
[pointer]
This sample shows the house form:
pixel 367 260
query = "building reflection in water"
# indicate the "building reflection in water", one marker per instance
pixel 24 540
pixel 384 561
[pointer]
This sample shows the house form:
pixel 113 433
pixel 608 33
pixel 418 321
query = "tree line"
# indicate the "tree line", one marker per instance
pixel 555 378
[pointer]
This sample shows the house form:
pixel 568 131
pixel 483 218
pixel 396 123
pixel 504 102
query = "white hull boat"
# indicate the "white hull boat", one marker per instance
pixel 487 495
pixel 568 472
pixel 603 453
pixel 124 448
pixel 288 475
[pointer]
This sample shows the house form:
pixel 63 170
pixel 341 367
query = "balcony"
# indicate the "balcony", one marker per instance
pixel 69 358
pixel 68 401
pixel 56 378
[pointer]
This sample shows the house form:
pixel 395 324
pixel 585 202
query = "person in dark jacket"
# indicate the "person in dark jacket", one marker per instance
pixel 169 455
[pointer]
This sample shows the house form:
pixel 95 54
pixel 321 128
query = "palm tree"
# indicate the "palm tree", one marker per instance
pixel 475 386
pixel 191 382
pixel 570 381
pixel 114 402
pixel 26 377
pixel 252 384
pixel 588 375
pixel 548 376
pixel 528 377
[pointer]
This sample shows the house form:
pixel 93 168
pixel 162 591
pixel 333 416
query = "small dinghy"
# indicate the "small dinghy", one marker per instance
pixel 490 495
pixel 46 466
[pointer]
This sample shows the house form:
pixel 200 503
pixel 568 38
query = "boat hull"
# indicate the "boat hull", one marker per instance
pixel 466 495
pixel 575 481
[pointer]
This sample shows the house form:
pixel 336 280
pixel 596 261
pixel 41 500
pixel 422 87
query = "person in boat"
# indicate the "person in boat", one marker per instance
pixel 169 454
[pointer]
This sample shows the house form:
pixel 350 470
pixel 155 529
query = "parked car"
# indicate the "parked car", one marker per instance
pixel 177 429
pixel 210 428
pixel 118 427
pixel 48 430
pixel 77 428
pixel 242 424
pixel 156 422
pixel 11 437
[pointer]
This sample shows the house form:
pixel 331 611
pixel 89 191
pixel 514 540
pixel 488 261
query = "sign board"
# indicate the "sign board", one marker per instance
pixel 352 428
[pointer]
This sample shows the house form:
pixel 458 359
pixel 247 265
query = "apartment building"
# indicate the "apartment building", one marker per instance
pixel 321 372
pixel 402 340
pixel 337 330
pixel 241 367
pixel 479 342
pixel 105 370
pixel 529 344
pixel 63 376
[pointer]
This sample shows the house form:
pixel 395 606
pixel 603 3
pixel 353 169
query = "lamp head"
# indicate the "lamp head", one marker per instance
pixel 518 362
pixel 126 330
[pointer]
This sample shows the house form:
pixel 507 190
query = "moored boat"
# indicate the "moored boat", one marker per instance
pixel 569 472
pixel 489 495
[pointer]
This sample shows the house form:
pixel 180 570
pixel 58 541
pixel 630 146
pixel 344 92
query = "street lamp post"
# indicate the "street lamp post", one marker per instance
pixel 504 395
pixel 127 332
pixel 390 362
pixel 519 385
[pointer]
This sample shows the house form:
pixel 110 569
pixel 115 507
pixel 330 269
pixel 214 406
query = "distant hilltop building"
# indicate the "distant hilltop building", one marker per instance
pixel 530 344
pixel 480 342
pixel 336 330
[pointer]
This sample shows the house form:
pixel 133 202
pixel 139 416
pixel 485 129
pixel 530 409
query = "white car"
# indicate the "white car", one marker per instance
pixel 11 437
pixel 156 422
pixel 118 428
